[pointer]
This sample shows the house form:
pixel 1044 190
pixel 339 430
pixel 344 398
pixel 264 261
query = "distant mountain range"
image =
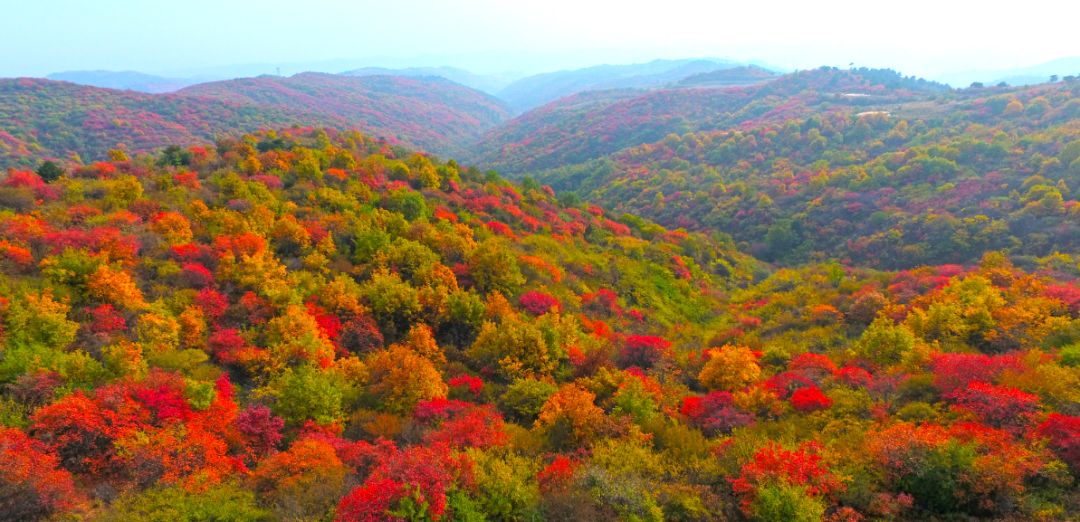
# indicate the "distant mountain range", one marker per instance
pixel 534 91
pixel 1031 75
pixel 519 93
pixel 524 92
pixel 488 83
pixel 124 80
pixel 585 113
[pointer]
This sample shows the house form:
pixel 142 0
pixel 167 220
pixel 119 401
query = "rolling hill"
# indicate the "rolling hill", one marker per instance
pixel 592 124
pixel 57 119
pixel 537 90
pixel 44 118
pixel 360 331
pixel 832 295
pixel 921 182
pixel 746 75
pixel 433 113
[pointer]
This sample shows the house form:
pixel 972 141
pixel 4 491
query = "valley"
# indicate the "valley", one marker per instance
pixel 678 290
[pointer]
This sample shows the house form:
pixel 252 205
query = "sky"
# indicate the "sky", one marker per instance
pixel 192 37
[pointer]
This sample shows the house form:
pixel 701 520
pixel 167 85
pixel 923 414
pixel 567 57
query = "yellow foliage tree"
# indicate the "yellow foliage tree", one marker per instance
pixel 115 286
pixel 294 336
pixel 158 332
pixel 399 378
pixel 192 328
pixel 571 416
pixel 174 227
pixel 730 368
pixel 421 340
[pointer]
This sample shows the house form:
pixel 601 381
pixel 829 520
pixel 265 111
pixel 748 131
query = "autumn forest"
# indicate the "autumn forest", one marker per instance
pixel 836 294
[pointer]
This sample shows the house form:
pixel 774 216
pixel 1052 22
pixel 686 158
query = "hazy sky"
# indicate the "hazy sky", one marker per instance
pixel 924 37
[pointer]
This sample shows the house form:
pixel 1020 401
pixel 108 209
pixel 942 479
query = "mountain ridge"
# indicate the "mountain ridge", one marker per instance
pixel 56 119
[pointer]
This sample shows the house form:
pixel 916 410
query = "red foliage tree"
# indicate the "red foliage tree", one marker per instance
pixel 32 486
pixel 557 475
pixel 813 366
pixel 166 402
pixel 954 371
pixel 192 253
pixel 20 256
pixel 810 399
pixel 81 433
pixel 460 424
pixel 329 324
pixel 214 304
pixel 1063 433
pixel 227 345
pixel 371 502
pixel 466 384
pixel 360 335
pixel 426 472
pixel 30 180
pixel 260 428
pixel 603 300
pixel 786 383
pixel 643 351
pixel 1069 294
pixel 773 463
pixel 997 406
pixel 106 320
pixel 715 413
pixel 538 303
pixel 256 309
pixel 99 240
pixel 197 275
pixel 500 228
pixel 35 389
pixel 854 376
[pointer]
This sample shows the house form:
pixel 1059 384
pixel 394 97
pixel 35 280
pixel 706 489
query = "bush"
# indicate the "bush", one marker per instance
pixel 222 502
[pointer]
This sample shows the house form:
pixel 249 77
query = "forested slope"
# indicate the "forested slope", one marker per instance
pixel 316 325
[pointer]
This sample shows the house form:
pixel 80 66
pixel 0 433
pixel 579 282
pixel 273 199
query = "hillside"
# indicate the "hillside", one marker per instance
pixel 42 118
pixel 537 90
pixel 307 324
pixel 432 113
pixel 594 124
pixel 917 183
pixel 747 75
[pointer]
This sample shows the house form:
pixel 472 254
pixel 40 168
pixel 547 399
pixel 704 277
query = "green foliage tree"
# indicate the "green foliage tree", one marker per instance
pixel 174 504
pixel 307 392
pixel 494 268
pixel 49 171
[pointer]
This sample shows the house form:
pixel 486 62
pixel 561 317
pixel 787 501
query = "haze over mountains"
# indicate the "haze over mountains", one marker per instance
pixel 418 106
pixel 534 91
pixel 537 122
pixel 681 290
pixel 1038 73
pixel 490 84
pixel 124 80
pixel 560 82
